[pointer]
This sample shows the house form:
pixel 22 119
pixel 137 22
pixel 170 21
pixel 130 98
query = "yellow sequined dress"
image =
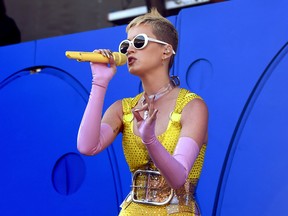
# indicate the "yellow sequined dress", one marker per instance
pixel 183 202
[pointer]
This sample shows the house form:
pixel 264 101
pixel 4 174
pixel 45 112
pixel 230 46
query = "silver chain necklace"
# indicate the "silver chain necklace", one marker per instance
pixel 163 91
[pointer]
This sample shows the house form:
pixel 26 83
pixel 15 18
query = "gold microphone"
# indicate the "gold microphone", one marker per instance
pixel 119 58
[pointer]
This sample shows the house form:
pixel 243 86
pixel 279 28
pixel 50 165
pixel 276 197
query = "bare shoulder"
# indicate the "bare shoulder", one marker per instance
pixel 194 111
pixel 115 109
pixel 194 121
pixel 117 105
pixel 196 105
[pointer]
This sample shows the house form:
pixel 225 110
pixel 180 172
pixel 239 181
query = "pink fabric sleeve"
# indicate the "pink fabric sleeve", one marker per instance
pixel 91 145
pixel 175 168
pixel 92 135
pixel 186 153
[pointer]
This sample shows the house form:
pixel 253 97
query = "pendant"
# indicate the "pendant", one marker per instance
pixel 146 114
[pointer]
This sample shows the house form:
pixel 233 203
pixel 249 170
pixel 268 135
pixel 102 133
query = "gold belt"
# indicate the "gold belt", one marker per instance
pixel 150 187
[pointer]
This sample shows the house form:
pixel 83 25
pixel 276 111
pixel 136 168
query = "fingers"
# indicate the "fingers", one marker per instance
pixel 154 115
pixel 107 53
pixel 150 103
pixel 149 112
pixel 137 115
pixel 136 112
pixel 143 108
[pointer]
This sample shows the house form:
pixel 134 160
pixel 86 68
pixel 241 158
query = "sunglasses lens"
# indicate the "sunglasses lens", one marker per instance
pixel 124 47
pixel 139 42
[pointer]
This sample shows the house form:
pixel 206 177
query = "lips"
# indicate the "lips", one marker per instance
pixel 131 60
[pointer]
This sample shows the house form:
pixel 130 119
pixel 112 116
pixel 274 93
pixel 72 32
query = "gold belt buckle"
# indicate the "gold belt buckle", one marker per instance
pixel 150 187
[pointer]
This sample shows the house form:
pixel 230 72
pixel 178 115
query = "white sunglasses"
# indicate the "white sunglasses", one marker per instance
pixel 139 42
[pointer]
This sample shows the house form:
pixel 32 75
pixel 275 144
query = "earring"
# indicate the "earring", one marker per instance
pixel 166 51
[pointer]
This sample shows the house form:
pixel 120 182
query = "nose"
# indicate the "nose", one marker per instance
pixel 130 47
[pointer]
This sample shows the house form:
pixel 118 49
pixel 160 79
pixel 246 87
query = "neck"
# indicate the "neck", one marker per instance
pixel 154 84
pixel 161 92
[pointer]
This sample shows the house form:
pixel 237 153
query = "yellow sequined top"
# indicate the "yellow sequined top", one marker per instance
pixel 137 157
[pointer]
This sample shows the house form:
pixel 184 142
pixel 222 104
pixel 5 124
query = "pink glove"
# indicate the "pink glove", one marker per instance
pixel 93 136
pixel 174 168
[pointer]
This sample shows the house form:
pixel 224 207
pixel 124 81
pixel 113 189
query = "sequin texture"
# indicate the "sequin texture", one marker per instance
pixel 137 157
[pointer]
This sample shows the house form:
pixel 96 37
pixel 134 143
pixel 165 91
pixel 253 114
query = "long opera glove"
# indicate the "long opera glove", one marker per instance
pixel 175 168
pixel 92 135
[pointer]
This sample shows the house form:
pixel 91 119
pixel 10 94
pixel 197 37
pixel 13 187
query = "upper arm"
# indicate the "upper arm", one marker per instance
pixel 113 116
pixel 194 121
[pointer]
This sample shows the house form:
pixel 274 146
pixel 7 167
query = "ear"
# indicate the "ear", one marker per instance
pixel 167 51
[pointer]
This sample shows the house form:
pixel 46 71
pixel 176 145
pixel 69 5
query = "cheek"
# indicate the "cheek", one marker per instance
pixel 154 59
pixel 153 55
pixel 146 61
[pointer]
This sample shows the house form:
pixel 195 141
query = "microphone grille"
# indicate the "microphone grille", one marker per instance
pixel 120 58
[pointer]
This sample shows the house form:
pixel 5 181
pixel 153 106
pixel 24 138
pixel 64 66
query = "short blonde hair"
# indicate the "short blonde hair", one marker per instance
pixel 162 28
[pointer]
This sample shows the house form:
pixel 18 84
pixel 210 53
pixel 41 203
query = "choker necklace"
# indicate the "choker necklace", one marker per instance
pixel 163 91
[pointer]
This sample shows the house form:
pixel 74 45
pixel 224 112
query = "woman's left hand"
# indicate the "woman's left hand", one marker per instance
pixel 146 126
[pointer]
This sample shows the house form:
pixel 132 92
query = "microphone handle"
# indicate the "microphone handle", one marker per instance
pixel 94 57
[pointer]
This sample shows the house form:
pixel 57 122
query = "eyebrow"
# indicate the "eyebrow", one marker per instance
pixel 140 34
pixel 132 37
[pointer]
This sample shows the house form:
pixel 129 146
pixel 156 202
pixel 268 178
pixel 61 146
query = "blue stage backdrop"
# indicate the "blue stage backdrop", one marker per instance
pixel 233 54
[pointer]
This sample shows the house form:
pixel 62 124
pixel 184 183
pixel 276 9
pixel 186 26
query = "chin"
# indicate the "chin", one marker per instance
pixel 132 70
pixel 137 71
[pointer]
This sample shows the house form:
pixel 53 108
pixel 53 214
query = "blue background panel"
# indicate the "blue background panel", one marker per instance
pixel 39 124
pixel 224 49
pixel 232 53
pixel 16 57
pixel 256 174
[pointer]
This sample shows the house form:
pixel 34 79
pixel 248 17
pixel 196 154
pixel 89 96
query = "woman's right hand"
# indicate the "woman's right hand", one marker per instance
pixel 102 73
